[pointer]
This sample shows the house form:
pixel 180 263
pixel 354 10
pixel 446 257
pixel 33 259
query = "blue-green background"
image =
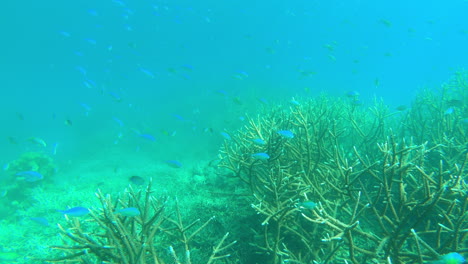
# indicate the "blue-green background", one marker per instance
pixel 211 61
pixel 184 72
pixel 387 49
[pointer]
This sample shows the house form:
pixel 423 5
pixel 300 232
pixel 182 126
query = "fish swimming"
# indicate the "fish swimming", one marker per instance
pixel 148 137
pixel 137 180
pixel 38 141
pixel 260 156
pixel 29 176
pixel 450 258
pixel 285 134
pixel 75 211
pixel 259 141
pixel 173 163
pixel 307 205
pixel 225 135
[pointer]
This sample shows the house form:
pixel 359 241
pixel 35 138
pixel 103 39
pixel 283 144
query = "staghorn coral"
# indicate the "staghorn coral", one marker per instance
pixel 153 236
pixel 385 194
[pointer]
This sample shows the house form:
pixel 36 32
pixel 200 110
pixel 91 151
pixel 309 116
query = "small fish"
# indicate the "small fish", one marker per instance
pixel 29 176
pixel 75 211
pixel 401 107
pixel 179 117
pixel 385 22
pixel 208 130
pixel 169 133
pixel 262 100
pixel 240 75
pixel 137 180
pixel 225 135
pixel 86 107
pixel 91 41
pixel 3 193
pixel 115 96
pixel 68 122
pixel 92 12
pixel 65 34
pixel 294 102
pixel 352 94
pixel 357 102
pixel 88 84
pixel 221 92
pixel 54 149
pixel 187 67
pixel 148 137
pixel 260 156
pixel 119 3
pixel 307 205
pixel 377 82
pixel 118 121
pixel 285 134
pixel 129 211
pixel 173 163
pixel 449 111
pixel 450 258
pixel 259 141
pixel 40 220
pixel 37 141
pixel 81 70
pixel 237 100
pixel 147 73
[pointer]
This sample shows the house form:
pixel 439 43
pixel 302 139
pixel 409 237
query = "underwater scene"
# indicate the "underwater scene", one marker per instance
pixel 234 132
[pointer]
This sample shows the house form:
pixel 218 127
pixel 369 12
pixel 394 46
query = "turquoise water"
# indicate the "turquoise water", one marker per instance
pixel 110 89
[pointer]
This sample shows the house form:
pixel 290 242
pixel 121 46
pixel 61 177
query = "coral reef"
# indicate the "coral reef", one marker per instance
pixel 148 234
pixel 34 161
pixel 340 183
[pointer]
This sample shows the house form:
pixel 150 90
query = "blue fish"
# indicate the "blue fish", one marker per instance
pixel 118 121
pixel 222 92
pixel 30 176
pixel 449 111
pixel 450 258
pixel 307 205
pixel 187 67
pixel 147 73
pixel 115 96
pixel 174 163
pixel 352 94
pixel 137 180
pixel 285 134
pixel 129 211
pixel 179 117
pixel 148 137
pixel 294 102
pixel 260 156
pixel 225 135
pixel 75 211
pixel 262 100
pixel 357 103
pixel 259 141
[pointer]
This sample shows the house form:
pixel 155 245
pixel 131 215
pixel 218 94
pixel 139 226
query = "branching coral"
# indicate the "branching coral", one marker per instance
pixel 382 197
pixel 112 237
